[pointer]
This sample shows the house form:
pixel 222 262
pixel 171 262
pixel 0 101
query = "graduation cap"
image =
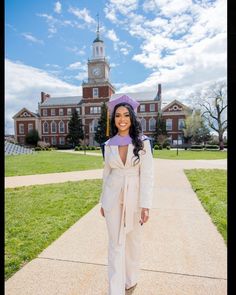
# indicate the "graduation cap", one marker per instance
pixel 122 99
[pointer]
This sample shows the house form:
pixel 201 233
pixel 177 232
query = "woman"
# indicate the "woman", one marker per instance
pixel 126 193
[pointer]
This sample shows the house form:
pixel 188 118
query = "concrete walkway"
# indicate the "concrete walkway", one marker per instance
pixel 182 251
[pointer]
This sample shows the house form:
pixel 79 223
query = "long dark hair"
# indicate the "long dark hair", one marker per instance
pixel 135 130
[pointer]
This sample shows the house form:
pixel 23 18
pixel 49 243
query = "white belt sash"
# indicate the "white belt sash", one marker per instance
pixel 129 203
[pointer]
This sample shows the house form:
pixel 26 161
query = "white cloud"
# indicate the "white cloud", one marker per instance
pixel 31 38
pixel 111 34
pixel 82 14
pixel 57 7
pixel 75 66
pixel 23 87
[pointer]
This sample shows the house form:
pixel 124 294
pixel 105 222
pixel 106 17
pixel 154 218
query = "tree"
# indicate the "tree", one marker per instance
pixel 100 135
pixel 160 134
pixel 75 127
pixel 202 134
pixel 32 137
pixel 213 102
pixel 192 124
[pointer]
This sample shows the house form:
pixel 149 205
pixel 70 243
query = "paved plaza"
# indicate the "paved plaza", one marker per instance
pixel 182 251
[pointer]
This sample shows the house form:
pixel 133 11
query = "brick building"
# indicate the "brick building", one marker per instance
pixel 54 113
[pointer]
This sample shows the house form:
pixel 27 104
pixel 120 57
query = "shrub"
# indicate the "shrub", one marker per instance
pixel 211 147
pixel 196 147
pixel 160 147
pixel 156 147
pixel 93 148
pixel 168 147
pixel 43 144
pixel 38 148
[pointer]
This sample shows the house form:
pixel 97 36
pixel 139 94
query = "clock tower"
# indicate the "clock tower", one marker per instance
pixel 98 85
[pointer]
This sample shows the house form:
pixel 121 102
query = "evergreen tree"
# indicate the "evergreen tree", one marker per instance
pixel 160 131
pixel 75 127
pixel 32 137
pixel 100 135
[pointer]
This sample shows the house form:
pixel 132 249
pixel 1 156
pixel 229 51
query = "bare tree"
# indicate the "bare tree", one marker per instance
pixel 213 103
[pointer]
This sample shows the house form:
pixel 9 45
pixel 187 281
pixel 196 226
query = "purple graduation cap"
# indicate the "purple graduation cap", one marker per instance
pixel 123 99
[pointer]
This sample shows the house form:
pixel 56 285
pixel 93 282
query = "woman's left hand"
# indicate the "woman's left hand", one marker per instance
pixel 144 215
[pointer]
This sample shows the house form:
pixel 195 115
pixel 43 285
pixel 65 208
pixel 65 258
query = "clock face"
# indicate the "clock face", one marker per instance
pixel 96 71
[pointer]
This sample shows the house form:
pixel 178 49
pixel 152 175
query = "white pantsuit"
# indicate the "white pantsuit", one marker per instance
pixel 126 189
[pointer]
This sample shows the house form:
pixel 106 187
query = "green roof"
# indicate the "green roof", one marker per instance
pixel 97 40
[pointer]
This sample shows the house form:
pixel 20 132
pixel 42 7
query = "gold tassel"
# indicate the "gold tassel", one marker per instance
pixel 108 125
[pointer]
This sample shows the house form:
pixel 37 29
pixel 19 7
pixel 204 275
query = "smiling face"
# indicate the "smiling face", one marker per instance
pixel 122 120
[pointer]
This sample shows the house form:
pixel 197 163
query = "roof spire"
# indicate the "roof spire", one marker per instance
pixel 98 26
pixel 98 30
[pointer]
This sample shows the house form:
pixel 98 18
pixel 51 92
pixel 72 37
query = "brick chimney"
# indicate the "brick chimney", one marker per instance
pixel 44 96
pixel 159 91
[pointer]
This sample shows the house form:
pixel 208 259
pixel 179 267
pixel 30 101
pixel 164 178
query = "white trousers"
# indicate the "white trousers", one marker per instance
pixel 123 258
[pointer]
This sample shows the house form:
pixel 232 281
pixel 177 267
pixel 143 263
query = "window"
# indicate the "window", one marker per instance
pixel 95 92
pixel 94 125
pixel 53 112
pixel 61 140
pixel 143 124
pixel 181 124
pixel 46 139
pixel 152 107
pixel 67 126
pixel 180 139
pixel 53 127
pixel 101 50
pixel 54 140
pixel 21 129
pixel 61 112
pixel 45 127
pixel 78 110
pixel 152 124
pixel 30 127
pixel 61 127
pixel 95 110
pixel 97 52
pixel 69 112
pixel 45 112
pixel 169 124
pixel 142 108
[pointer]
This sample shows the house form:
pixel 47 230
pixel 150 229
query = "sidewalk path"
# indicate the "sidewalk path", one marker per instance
pixel 182 251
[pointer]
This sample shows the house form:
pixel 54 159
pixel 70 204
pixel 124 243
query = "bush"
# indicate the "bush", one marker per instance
pixel 43 144
pixel 93 148
pixel 160 147
pixel 211 147
pixel 196 147
pixel 156 147
pixel 77 148
pixel 38 148
pixel 168 147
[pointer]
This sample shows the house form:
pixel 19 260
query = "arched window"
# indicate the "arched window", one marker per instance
pixel 143 124
pixel 152 124
pixel 45 127
pixel 53 127
pixel 61 127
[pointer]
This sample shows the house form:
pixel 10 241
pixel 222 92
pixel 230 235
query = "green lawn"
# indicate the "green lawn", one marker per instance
pixel 210 186
pixel 50 162
pixel 37 215
pixel 189 155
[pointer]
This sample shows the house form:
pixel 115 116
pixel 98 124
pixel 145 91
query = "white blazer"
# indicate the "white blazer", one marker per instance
pixel 128 184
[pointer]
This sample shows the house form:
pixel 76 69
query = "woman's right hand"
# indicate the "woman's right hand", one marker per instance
pixel 102 212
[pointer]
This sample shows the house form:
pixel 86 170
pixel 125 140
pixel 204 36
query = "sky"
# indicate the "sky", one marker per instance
pixel 180 44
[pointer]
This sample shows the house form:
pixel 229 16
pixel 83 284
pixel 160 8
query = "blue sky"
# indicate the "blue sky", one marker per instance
pixel 180 44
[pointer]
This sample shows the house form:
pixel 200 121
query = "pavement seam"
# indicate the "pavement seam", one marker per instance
pixel 143 269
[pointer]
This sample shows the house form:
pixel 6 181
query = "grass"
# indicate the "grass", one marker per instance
pixel 210 186
pixel 189 155
pixel 37 215
pixel 49 162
